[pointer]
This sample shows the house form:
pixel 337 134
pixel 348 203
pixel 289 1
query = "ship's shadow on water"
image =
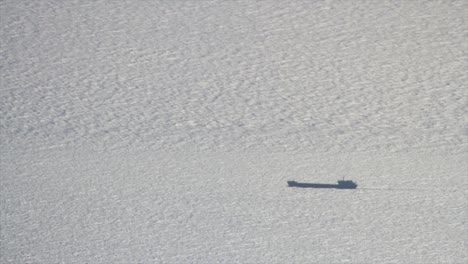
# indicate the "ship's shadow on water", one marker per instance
pixel 340 185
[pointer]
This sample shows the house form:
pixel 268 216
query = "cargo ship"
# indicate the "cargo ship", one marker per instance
pixel 340 185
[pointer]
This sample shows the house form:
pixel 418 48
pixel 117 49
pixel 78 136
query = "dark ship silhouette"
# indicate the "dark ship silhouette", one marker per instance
pixel 341 185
